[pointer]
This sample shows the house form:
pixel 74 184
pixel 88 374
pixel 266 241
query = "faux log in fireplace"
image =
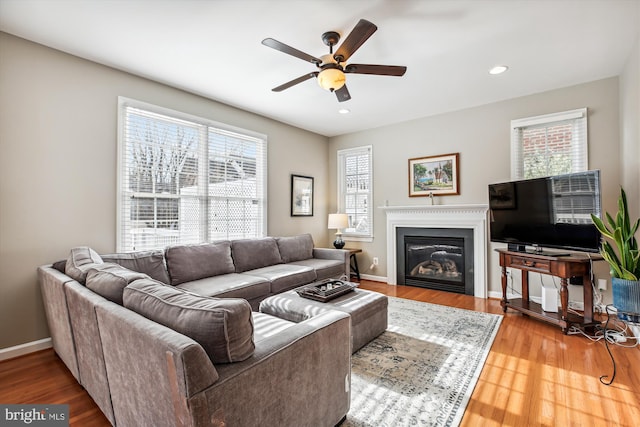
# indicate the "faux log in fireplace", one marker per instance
pixel 436 258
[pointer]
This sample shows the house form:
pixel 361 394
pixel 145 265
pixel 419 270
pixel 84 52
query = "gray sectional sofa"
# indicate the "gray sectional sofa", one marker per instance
pixel 169 338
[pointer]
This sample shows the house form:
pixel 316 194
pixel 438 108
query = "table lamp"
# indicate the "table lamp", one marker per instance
pixel 338 221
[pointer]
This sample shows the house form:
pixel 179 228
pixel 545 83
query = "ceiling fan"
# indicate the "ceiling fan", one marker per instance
pixel 333 67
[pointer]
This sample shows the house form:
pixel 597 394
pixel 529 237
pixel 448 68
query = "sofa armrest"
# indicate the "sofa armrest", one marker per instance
pixel 337 254
pixel 52 283
pixel 307 362
pixel 152 370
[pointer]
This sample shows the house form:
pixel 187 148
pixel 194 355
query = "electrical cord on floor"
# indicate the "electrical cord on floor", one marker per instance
pixel 615 336
pixel 606 343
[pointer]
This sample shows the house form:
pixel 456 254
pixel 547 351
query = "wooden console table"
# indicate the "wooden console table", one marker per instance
pixel 574 268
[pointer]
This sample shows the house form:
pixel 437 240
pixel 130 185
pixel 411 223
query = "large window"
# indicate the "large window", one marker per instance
pixel 184 179
pixel 552 144
pixel 355 192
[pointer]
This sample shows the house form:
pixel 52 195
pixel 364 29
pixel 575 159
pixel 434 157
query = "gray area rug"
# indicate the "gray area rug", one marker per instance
pixel 422 370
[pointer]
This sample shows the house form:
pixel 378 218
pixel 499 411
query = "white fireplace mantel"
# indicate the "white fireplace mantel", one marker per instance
pixel 472 217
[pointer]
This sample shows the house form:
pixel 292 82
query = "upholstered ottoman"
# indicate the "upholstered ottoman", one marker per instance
pixel 368 311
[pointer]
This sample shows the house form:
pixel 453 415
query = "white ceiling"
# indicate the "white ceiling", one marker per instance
pixel 212 48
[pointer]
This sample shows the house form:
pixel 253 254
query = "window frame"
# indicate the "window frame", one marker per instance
pixel 341 202
pixel 206 128
pixel 579 144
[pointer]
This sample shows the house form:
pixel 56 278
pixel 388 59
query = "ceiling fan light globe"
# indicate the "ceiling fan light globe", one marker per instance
pixel 331 79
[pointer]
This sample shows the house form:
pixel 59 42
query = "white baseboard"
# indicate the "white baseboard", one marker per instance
pixel 382 279
pixel 26 348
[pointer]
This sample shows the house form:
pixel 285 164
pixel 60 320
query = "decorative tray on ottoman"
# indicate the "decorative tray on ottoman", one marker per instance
pixel 326 290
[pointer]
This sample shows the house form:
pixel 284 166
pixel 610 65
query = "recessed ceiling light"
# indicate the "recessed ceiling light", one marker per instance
pixel 498 69
pixel 344 111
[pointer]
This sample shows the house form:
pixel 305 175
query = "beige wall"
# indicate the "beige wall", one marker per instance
pixel 630 130
pixel 630 135
pixel 58 149
pixel 58 167
pixel 481 136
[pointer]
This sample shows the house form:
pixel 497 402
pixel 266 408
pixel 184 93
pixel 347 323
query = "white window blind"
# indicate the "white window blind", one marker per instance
pixel 184 179
pixel 552 144
pixel 575 197
pixel 355 191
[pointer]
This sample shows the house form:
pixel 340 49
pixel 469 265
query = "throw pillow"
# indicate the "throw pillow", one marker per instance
pixel 192 262
pixel 296 248
pixel 150 263
pixel 80 261
pixel 60 265
pixel 109 280
pixel 222 326
pixel 249 254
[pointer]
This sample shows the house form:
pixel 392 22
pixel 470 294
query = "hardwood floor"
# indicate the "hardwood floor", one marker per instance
pixel 537 376
pixel 533 376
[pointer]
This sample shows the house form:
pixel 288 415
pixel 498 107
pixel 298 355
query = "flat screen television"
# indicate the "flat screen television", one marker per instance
pixel 551 212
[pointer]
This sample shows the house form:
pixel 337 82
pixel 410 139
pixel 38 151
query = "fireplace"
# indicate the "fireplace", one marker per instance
pixel 436 258
pixel 473 218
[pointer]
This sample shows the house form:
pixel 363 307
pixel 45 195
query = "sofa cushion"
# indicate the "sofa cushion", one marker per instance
pixel 192 262
pixel 285 276
pixel 325 268
pixel 249 254
pixel 150 263
pixel 232 285
pixel 223 327
pixel 109 280
pixel 295 248
pixel 81 259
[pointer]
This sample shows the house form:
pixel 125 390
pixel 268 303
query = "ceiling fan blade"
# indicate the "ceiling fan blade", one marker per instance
pixel 343 94
pixel 295 82
pixel 381 70
pixel 360 33
pixel 275 44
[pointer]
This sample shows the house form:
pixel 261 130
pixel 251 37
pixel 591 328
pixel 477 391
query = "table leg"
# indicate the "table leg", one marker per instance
pixel 587 293
pixel 564 298
pixel 354 265
pixel 525 289
pixel 504 289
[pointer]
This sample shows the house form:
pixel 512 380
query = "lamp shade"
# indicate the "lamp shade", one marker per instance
pixel 331 79
pixel 337 221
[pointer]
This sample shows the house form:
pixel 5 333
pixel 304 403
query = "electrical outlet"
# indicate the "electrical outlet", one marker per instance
pixel 602 284
pixel 375 260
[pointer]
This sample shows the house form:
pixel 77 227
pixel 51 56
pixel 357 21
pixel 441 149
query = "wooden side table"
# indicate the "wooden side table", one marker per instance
pixel 354 261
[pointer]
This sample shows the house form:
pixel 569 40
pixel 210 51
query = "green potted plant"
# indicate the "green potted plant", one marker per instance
pixel 624 261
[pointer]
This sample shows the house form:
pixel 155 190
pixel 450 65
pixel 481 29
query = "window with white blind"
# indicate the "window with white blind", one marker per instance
pixel 552 144
pixel 184 179
pixel 355 191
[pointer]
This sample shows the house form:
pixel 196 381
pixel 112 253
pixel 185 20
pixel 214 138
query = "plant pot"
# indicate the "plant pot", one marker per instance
pixel 626 299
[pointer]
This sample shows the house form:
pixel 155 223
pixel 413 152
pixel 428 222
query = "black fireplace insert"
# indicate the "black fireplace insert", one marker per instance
pixel 436 258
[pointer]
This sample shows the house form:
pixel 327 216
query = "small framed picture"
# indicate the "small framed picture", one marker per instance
pixel 434 175
pixel 301 195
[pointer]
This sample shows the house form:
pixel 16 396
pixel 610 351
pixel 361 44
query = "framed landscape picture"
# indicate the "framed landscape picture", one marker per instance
pixel 301 195
pixel 434 175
